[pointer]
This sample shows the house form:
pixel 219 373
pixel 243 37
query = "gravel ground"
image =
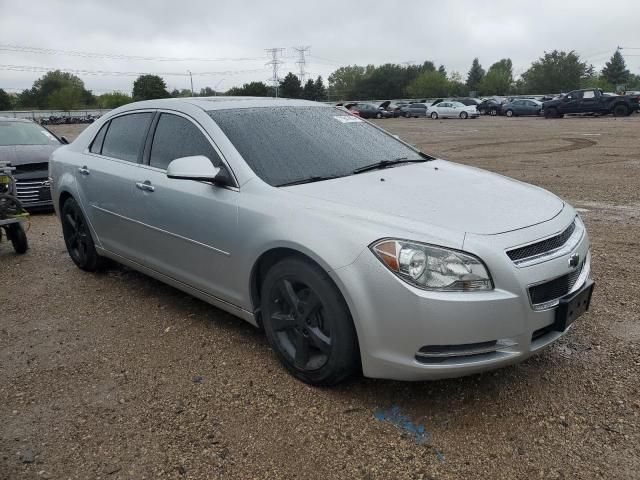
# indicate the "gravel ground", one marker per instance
pixel 115 375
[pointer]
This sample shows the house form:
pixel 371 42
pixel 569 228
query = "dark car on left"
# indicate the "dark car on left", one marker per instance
pixel 27 146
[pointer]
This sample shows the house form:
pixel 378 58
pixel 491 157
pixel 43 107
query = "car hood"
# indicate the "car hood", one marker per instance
pixel 443 194
pixel 25 154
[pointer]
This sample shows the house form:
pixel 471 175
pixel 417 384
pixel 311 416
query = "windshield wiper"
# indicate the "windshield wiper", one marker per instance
pixel 314 178
pixel 386 164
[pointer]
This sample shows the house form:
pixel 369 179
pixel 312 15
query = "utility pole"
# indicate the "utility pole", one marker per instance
pixel 302 61
pixel 275 63
pixel 191 77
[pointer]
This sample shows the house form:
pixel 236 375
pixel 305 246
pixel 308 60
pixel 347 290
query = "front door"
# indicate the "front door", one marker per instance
pixel 190 227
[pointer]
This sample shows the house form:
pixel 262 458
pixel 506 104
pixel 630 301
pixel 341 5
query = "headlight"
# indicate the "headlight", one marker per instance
pixel 433 268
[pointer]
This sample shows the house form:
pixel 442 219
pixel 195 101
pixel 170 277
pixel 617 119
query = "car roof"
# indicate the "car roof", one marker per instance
pixel 225 103
pixel 11 119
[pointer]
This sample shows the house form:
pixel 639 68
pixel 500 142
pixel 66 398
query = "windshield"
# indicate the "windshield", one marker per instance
pixel 25 133
pixel 286 144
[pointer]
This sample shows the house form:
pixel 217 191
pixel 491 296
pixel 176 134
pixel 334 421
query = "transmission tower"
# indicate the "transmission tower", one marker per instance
pixel 302 61
pixel 275 63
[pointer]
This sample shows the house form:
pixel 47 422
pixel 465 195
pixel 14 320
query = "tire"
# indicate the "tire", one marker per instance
pixel 378 115
pixel 509 113
pixel 464 115
pixel 620 110
pixel 407 115
pixel 493 112
pixel 77 238
pixel 434 115
pixel 18 238
pixel 550 113
pixel 316 344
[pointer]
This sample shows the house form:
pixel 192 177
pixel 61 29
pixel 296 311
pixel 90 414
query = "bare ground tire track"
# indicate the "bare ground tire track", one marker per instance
pixel 574 144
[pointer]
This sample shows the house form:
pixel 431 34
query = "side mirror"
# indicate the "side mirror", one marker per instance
pixel 64 140
pixel 197 167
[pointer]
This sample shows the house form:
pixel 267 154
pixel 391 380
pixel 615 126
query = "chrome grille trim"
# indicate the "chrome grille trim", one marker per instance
pixel 549 292
pixel 549 248
pixel 28 191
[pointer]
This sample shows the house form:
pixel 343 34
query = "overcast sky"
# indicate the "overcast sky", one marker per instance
pixel 233 36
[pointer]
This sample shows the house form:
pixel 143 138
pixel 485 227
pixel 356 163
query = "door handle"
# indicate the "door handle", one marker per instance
pixel 146 186
pixel 84 170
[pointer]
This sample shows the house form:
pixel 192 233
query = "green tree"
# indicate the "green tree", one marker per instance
pixel 556 71
pixel 456 87
pixel 429 85
pixel 5 100
pixel 66 98
pixel 149 87
pixel 475 75
pixel 207 92
pixel 253 89
pixel 344 83
pixel 113 100
pixel 498 79
pixel 309 90
pixel 290 86
pixel 320 90
pixel 442 71
pixel 615 70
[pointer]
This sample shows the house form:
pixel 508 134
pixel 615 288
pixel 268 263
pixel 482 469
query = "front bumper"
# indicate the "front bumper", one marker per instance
pixel 397 322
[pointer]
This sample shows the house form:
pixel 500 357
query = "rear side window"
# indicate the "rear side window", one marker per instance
pixel 96 146
pixel 126 135
pixel 177 137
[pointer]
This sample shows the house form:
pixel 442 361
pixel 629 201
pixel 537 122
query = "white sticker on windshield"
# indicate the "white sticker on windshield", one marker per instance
pixel 347 118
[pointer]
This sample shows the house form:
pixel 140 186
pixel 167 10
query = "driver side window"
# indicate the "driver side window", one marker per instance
pixel 177 137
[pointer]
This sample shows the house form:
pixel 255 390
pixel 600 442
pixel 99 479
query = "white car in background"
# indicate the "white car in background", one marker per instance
pixel 448 109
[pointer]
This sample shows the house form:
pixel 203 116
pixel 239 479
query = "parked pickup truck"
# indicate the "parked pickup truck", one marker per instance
pixel 590 101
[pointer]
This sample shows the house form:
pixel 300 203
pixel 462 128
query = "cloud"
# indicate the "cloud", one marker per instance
pixel 339 32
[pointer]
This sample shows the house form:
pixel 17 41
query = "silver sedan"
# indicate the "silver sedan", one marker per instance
pixel 352 249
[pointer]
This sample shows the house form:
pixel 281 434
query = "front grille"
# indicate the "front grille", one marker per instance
pixel 543 246
pixel 554 289
pixel 33 190
pixel 31 167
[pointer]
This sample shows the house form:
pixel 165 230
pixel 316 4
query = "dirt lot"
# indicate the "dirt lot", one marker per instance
pixel 115 375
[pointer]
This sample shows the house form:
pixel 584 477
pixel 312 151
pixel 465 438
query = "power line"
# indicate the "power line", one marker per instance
pixel 275 63
pixel 31 68
pixel 116 56
pixel 302 61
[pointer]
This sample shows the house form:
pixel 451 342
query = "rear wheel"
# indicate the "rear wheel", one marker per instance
pixel 77 237
pixel 407 115
pixel 464 115
pixel 509 113
pixel 493 112
pixel 620 110
pixel 307 323
pixel 378 115
pixel 18 238
pixel 550 112
pixel 434 115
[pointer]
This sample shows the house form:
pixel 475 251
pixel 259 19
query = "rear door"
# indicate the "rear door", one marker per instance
pixel 589 101
pixel 190 227
pixel 106 180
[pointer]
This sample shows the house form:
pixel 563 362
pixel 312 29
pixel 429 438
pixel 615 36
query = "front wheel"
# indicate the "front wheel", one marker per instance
pixel 378 115
pixel 434 115
pixel 493 112
pixel 509 113
pixel 77 237
pixel 307 323
pixel 464 115
pixel 550 113
pixel 407 115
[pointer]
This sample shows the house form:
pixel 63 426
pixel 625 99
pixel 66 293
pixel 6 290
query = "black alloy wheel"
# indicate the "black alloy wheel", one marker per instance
pixel 77 237
pixel 307 323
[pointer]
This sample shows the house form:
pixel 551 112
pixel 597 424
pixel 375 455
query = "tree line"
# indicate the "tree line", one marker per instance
pixel 554 72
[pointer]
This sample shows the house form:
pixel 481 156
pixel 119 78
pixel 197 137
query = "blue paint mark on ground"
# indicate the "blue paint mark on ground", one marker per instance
pixel 401 421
